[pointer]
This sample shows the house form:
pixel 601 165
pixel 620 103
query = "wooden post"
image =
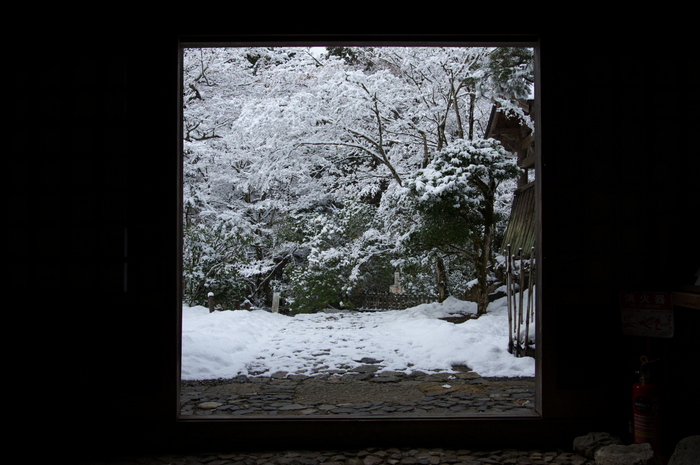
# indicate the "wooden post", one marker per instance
pixel 509 270
pixel 529 301
pixel 517 304
pixel 211 301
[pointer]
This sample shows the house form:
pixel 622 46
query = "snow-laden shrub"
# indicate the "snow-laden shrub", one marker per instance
pixel 211 256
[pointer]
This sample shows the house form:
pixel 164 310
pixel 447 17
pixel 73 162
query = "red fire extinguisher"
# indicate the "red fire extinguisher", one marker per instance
pixel 646 400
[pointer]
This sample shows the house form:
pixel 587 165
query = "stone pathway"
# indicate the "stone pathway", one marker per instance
pixel 371 456
pixel 363 392
pixel 360 392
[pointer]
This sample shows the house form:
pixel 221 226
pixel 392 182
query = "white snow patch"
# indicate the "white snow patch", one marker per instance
pixel 225 344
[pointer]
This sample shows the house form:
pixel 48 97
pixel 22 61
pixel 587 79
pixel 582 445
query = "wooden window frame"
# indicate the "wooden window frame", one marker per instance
pixel 559 413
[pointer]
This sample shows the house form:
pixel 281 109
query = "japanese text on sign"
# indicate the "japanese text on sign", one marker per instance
pixel 647 314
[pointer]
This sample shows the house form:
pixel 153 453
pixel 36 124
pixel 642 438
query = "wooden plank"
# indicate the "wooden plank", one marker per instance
pixel 686 300
pixel 521 230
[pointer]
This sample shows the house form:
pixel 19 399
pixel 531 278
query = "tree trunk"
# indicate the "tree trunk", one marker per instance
pixel 426 151
pixel 483 245
pixel 482 303
pixel 441 279
pixel 458 116
pixel 472 103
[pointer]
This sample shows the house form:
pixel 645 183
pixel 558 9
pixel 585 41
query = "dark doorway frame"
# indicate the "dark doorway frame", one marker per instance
pixel 344 432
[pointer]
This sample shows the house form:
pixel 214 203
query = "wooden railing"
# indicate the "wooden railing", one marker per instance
pixel 389 301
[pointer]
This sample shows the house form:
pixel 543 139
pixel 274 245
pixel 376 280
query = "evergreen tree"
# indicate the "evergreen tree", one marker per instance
pixel 456 197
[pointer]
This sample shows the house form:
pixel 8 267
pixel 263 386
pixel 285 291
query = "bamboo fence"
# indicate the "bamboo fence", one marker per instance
pixel 520 285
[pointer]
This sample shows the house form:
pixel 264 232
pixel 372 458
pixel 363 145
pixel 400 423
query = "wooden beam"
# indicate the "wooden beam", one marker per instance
pixel 528 141
pixel 525 186
pixel 511 131
pixel 528 162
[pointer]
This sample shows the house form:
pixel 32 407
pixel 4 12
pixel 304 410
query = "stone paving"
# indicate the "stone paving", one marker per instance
pixel 371 456
pixel 361 392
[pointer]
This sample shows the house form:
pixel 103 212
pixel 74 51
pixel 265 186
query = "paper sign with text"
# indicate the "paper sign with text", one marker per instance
pixel 648 314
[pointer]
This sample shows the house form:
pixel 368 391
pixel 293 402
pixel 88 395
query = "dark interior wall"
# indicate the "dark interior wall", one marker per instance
pixel 96 136
pixel 620 212
pixel 620 203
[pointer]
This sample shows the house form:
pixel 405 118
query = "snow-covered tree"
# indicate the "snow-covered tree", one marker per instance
pixel 212 257
pixel 456 196
pixel 344 255
pixel 297 161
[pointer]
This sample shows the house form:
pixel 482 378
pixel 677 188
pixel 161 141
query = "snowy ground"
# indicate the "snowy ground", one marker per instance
pixel 225 344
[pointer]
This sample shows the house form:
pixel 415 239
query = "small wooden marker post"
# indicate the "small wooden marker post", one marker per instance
pixel 211 301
